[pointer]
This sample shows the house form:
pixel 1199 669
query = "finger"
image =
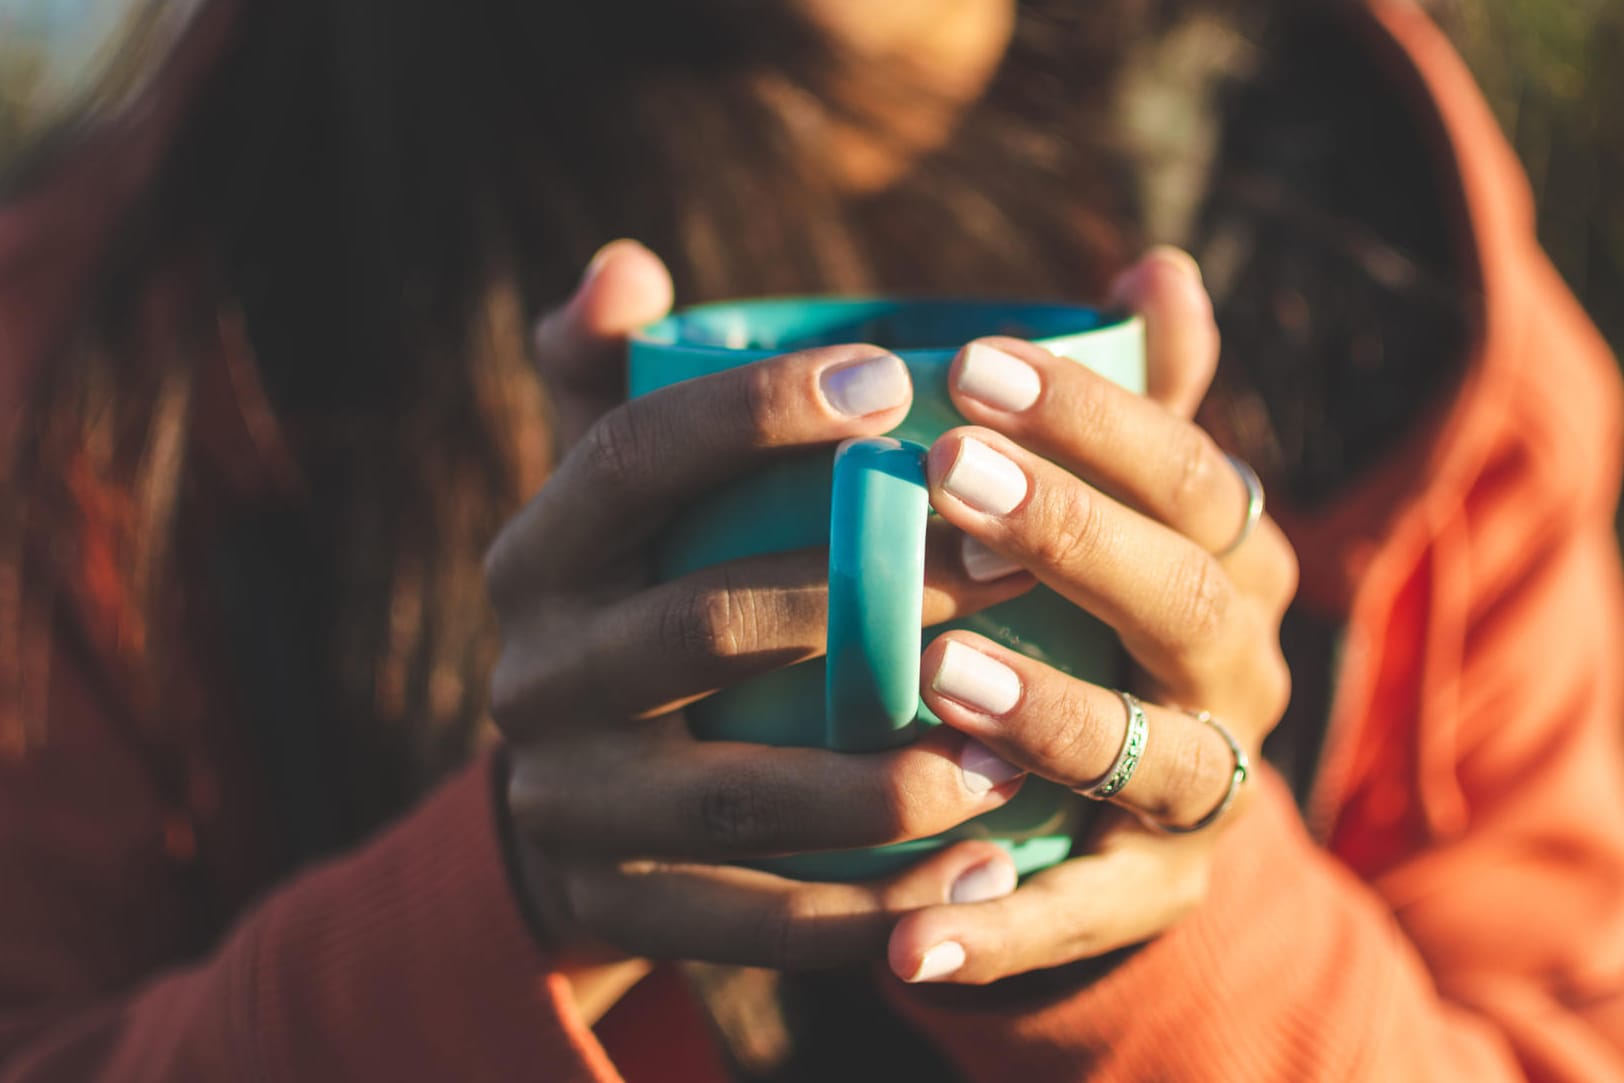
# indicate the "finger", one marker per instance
pixel 1265 568
pixel 1137 887
pixel 720 800
pixel 747 917
pixel 624 287
pixel 1072 732
pixel 1181 334
pixel 1133 447
pixel 647 457
pixel 580 347
pixel 1171 602
pixel 705 631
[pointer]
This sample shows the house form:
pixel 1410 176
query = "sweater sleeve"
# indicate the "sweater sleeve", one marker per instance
pixel 1504 968
pixel 1490 952
pixel 1467 920
pixel 404 959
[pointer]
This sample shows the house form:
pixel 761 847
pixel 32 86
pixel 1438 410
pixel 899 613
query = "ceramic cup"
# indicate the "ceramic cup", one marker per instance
pixel 867 501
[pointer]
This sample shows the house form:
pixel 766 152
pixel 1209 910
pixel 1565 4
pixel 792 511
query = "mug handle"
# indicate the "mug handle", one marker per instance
pixel 879 506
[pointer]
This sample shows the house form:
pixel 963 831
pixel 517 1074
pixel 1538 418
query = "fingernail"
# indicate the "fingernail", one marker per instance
pixel 1180 257
pixel 976 680
pixel 599 258
pixel 984 564
pixel 1002 381
pixel 1126 286
pixel 983 769
pixel 939 962
pixel 984 479
pixel 866 387
pixel 985 882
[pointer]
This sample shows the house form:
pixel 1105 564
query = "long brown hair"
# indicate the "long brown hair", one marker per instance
pixel 372 201
pixel 375 198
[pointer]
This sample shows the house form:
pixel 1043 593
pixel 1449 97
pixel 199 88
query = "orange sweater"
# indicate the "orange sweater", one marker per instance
pixel 1461 915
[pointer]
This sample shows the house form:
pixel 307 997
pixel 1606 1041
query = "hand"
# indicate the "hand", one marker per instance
pixel 1122 505
pixel 581 346
pixel 617 807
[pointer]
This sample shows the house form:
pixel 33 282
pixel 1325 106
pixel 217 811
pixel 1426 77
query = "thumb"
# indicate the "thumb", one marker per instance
pixel 624 287
pixel 1181 337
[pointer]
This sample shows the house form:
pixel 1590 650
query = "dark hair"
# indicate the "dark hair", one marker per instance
pixel 376 197
pixel 383 195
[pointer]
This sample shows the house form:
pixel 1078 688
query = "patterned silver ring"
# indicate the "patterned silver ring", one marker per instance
pixel 1243 768
pixel 1133 747
pixel 1254 504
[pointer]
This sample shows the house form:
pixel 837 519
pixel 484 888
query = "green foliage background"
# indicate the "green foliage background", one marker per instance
pixel 1554 72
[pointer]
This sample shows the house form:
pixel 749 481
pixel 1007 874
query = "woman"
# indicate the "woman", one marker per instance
pixel 265 335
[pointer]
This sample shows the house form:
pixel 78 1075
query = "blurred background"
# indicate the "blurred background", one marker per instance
pixel 1552 69
pixel 1554 72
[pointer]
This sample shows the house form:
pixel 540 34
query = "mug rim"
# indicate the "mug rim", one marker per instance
pixel 665 333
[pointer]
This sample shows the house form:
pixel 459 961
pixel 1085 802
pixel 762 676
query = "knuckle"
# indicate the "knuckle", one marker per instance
pixel 505 561
pixel 522 800
pixel 761 406
pixel 717 619
pixel 1071 528
pixel 1202 595
pixel 812 927
pixel 1087 407
pixel 533 801
pixel 505 696
pixel 783 933
pixel 591 904
pixel 701 622
pixel 904 808
pixel 621 446
pixel 1084 937
pixel 1196 458
pixel 1276 682
pixel 1191 782
pixel 737 814
pixel 545 680
pixel 1069 739
pixel 1288 573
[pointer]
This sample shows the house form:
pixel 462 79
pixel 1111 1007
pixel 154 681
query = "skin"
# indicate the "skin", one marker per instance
pixel 948 49
pixel 624 814
pixel 627 822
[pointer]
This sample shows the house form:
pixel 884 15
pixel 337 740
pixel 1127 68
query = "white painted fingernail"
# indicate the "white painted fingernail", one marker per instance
pixel 1002 381
pixel 983 883
pixel 939 962
pixel 984 564
pixel 983 769
pixel 985 479
pixel 866 387
pixel 975 680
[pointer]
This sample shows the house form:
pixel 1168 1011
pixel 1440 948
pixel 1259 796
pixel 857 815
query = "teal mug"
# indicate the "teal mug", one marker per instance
pixel 868 502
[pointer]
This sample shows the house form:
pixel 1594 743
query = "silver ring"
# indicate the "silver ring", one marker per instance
pixel 1243 768
pixel 1133 747
pixel 1254 503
